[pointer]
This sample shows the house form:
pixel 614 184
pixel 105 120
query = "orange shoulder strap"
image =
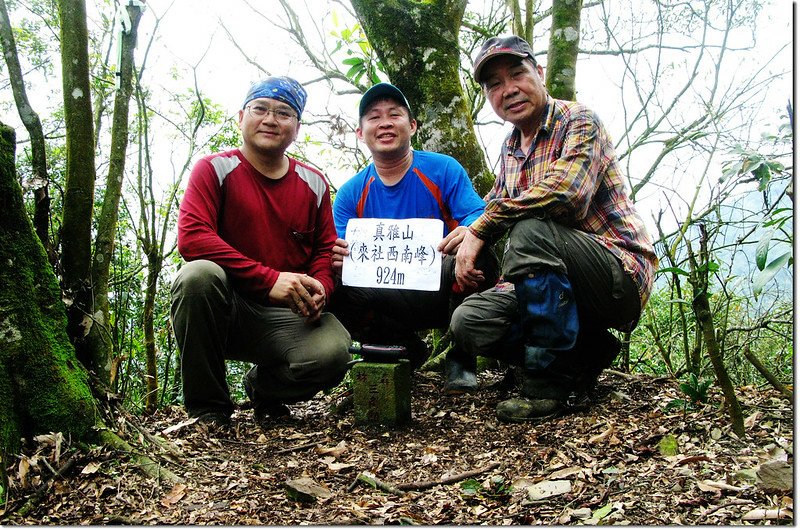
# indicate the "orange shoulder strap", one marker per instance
pixel 363 200
pixel 437 194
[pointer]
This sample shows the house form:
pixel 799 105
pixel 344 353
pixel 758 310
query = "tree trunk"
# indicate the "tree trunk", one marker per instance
pixel 76 251
pixel 99 344
pixel 42 386
pixel 29 117
pixel 702 312
pixel 417 42
pixel 151 376
pixel 562 54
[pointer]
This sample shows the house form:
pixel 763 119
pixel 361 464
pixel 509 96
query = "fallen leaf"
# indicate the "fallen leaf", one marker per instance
pixel 565 473
pixel 549 488
pixel 429 458
pixel 22 471
pixel 307 490
pixel 763 514
pixel 336 451
pixel 712 485
pixel 599 513
pixel 177 493
pixel 693 459
pixel 752 420
pixel 776 476
pixel 338 466
pixel 522 484
pixel 90 468
pixel 602 436
pixel 668 445
pixel 180 425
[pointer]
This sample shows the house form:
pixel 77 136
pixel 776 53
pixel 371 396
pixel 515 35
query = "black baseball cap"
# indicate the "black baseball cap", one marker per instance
pixel 495 46
pixel 381 91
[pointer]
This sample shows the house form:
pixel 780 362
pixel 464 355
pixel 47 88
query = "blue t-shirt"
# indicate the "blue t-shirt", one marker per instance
pixel 415 196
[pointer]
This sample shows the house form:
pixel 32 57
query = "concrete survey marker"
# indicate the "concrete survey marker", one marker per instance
pixel 382 393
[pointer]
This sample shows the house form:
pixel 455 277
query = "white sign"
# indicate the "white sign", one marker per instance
pixel 393 254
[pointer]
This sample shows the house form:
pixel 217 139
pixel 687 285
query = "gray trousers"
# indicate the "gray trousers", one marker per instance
pixel 212 322
pixel 488 323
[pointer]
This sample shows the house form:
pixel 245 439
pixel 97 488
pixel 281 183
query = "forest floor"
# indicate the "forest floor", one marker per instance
pixel 627 459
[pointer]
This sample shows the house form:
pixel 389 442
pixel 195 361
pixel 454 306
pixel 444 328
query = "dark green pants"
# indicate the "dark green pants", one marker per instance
pixel 488 323
pixel 212 322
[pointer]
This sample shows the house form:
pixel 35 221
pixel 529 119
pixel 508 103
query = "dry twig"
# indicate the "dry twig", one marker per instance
pixel 734 502
pixel 308 445
pixel 419 486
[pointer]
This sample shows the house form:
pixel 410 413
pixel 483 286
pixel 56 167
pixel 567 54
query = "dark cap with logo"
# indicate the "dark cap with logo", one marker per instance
pixel 495 46
pixel 381 91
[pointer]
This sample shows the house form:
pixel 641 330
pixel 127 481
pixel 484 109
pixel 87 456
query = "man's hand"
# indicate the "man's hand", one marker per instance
pixel 452 241
pixel 467 275
pixel 340 250
pixel 301 293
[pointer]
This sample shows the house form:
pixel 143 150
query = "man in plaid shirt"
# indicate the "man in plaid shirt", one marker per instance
pixel 578 260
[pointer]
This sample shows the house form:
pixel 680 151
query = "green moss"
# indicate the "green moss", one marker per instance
pixel 44 387
pixel 562 54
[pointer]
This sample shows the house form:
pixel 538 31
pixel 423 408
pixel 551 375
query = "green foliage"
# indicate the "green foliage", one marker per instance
pixel 696 389
pixel 361 61
pixel 498 489
pixel 664 340
pixel 751 166
pixel 755 166
pixel 775 224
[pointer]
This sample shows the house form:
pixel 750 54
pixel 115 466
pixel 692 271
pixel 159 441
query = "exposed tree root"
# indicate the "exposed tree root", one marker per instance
pixel 147 465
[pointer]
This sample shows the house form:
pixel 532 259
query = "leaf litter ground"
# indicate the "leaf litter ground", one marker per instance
pixel 624 460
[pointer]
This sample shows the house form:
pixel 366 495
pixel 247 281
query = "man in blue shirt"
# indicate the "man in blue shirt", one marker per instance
pixel 403 183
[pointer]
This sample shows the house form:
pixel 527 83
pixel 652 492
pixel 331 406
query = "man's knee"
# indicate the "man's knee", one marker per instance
pixel 334 354
pixel 200 277
pixel 532 245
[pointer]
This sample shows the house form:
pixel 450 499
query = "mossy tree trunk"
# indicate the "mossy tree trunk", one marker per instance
pixel 30 119
pixel 43 387
pixel 562 54
pixel 417 42
pixel 76 228
pixel 98 340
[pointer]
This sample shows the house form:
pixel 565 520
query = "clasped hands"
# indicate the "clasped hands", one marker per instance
pixel 301 293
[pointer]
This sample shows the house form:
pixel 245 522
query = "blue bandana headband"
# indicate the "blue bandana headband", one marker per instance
pixel 281 88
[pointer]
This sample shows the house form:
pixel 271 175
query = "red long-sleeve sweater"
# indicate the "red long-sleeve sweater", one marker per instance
pixel 255 227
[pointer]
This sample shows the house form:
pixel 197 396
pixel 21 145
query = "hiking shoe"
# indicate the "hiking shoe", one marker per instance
pixel 460 375
pixel 214 419
pixel 265 414
pixel 519 410
pixel 264 411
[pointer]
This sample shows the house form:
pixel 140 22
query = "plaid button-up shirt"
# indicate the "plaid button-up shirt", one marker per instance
pixel 571 175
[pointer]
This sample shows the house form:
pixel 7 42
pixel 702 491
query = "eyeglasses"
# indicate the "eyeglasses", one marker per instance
pixel 281 115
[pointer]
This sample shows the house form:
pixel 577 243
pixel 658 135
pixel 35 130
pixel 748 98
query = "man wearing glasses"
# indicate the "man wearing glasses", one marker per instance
pixel 256 230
